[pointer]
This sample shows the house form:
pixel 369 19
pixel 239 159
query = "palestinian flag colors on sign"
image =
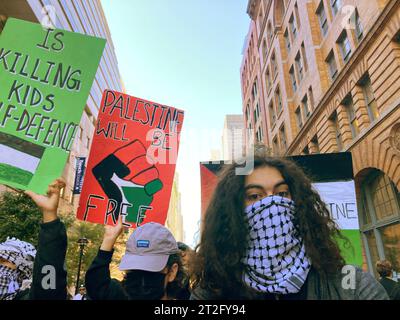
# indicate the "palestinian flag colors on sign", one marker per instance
pixel 331 176
pixel 19 159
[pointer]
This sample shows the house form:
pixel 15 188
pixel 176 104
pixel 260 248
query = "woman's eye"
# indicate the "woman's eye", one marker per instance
pixel 253 196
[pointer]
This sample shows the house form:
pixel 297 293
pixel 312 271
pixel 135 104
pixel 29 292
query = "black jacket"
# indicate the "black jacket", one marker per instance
pixel 49 265
pixel 391 287
pixel 98 282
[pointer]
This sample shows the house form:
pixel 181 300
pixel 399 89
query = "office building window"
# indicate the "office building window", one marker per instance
pixel 299 65
pixel 270 35
pixel 275 145
pixel 274 65
pixel 293 79
pixel 293 28
pixel 335 5
pixel 283 138
pixel 323 22
pixel 296 12
pixel 264 48
pixel 311 98
pixel 380 212
pixel 357 25
pixel 330 60
pixel 306 150
pixel 369 97
pixel 344 45
pixel 278 100
pixel 254 90
pixel 287 40
pixel 268 80
pixel 299 120
pixel 338 135
pixel 272 113
pixel 306 109
pixel 348 104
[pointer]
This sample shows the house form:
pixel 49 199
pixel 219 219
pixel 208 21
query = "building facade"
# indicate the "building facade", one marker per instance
pixel 232 137
pixel 174 220
pixel 85 17
pixel 325 75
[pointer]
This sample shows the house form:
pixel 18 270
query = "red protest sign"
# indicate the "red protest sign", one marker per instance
pixel 132 161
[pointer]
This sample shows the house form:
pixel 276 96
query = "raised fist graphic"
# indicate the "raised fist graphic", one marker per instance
pixel 127 177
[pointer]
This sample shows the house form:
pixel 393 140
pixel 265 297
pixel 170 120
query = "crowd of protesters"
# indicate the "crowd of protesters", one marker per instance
pixel 266 235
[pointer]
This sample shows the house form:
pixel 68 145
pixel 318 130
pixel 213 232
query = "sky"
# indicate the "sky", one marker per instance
pixel 185 54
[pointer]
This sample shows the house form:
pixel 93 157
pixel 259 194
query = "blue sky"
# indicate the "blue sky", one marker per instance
pixel 185 54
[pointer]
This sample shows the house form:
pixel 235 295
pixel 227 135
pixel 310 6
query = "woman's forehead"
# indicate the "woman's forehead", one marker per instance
pixel 267 177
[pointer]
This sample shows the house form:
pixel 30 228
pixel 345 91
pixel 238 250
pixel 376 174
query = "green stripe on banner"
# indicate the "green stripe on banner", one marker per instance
pixel 352 254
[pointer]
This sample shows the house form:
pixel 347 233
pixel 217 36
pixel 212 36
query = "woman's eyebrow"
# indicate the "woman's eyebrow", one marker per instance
pixel 280 183
pixel 253 186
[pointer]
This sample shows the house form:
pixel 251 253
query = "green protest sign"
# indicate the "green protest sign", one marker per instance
pixel 45 79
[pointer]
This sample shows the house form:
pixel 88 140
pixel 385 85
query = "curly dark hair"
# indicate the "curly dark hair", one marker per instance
pixel 175 288
pixel 218 267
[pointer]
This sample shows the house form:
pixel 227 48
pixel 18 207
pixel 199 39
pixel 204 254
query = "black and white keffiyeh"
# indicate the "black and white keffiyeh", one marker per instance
pixel 276 259
pixel 22 255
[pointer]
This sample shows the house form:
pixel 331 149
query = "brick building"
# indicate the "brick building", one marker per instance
pixel 321 76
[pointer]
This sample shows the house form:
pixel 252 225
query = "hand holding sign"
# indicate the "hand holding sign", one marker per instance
pixel 128 178
pixel 49 203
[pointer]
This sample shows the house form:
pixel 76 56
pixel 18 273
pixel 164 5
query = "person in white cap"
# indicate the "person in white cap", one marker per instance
pixel 152 262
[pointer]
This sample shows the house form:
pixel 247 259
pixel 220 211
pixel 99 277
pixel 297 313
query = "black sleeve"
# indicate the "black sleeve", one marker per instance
pixel 49 273
pixel 98 282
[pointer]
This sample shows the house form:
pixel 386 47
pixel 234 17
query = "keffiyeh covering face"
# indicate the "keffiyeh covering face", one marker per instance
pixel 22 255
pixel 276 260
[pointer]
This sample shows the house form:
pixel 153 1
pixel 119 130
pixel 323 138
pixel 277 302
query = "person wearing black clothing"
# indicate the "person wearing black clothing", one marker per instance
pixel 384 268
pixel 49 272
pixel 152 264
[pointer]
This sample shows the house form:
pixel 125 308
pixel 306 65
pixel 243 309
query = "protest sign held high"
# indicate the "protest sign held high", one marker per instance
pixel 45 79
pixel 132 161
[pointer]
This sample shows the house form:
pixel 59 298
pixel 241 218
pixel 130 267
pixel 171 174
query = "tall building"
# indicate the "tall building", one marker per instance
pixel 233 137
pixel 325 77
pixel 85 17
pixel 174 220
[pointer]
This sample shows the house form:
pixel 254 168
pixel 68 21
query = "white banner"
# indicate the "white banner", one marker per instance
pixel 340 198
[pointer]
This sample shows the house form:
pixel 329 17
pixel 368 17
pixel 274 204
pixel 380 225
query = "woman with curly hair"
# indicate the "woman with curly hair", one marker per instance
pixel 268 235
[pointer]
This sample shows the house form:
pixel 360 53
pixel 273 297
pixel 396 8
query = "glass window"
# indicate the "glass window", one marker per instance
pixel 293 79
pixel 348 103
pixel 283 138
pixel 299 120
pixel 323 22
pixel 384 197
pixel 332 65
pixel 373 249
pixel 369 98
pixel 335 4
pixel 336 128
pixel 264 48
pixel 275 144
pixel 391 244
pixel 268 80
pixel 278 100
pixel 306 110
pixel 299 65
pixel 358 26
pixel 272 113
pixel 311 97
pixel 274 65
pixel 293 27
pixel 287 40
pixel 345 47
